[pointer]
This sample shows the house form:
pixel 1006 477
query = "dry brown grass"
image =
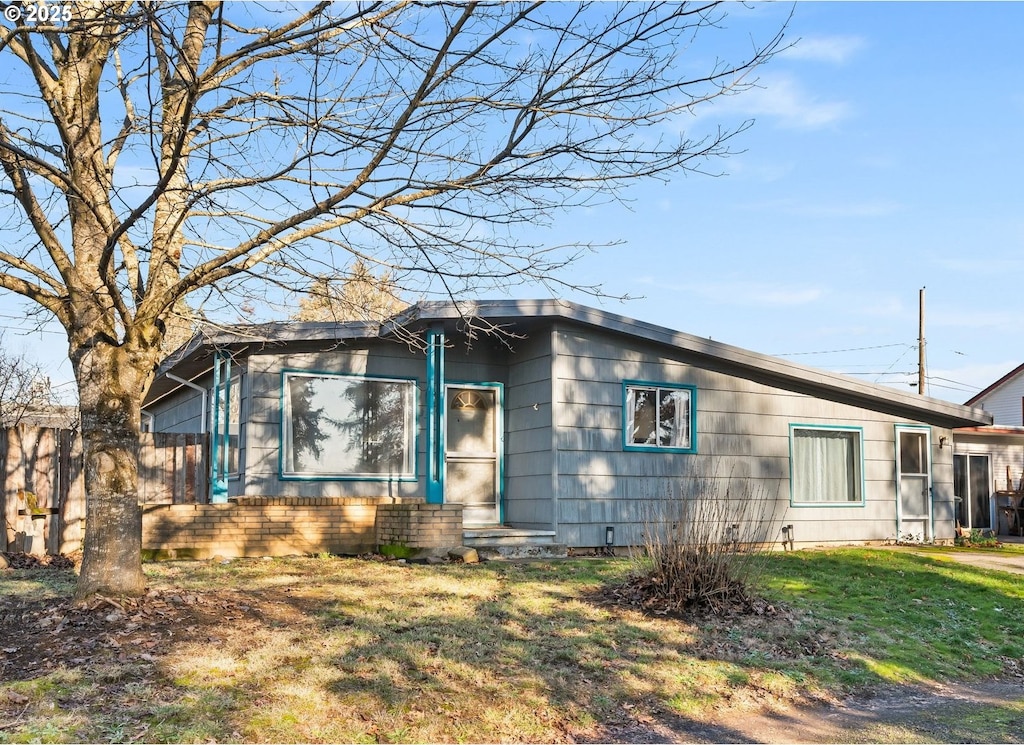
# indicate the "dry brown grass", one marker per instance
pixel 350 650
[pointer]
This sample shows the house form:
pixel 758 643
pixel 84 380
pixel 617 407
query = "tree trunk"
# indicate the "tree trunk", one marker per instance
pixel 110 386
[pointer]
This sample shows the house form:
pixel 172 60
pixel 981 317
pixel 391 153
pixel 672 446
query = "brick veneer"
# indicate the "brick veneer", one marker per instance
pixel 416 526
pixel 279 526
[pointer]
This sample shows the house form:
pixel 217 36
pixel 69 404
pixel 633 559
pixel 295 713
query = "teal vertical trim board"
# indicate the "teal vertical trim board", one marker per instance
pixel 435 416
pixel 215 430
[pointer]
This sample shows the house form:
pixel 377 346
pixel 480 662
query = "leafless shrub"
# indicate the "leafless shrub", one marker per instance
pixel 705 542
pixel 26 395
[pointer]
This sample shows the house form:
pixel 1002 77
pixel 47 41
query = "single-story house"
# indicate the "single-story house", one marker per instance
pixel 549 418
pixel 989 461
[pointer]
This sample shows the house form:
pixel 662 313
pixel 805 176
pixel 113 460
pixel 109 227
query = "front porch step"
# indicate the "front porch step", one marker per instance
pixel 514 543
pixel 499 536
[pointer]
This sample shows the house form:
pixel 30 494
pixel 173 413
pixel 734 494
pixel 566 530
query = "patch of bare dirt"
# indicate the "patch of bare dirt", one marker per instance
pixel 39 635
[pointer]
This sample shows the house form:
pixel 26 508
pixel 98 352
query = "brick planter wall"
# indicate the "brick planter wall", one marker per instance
pixel 265 526
pixel 415 528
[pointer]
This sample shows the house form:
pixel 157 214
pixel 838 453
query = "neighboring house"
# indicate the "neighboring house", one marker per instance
pixel 57 416
pixel 989 461
pixel 1004 399
pixel 567 424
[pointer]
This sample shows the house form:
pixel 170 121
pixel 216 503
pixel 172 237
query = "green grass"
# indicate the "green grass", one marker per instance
pixel 904 616
pixel 346 650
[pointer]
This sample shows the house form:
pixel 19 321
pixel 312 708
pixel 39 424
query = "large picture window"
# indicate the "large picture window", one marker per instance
pixel 827 465
pixel 348 427
pixel 659 417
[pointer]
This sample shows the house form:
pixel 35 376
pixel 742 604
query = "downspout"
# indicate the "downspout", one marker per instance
pixel 150 419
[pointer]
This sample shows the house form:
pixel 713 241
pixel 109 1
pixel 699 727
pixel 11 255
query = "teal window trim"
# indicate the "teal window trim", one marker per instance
pixel 659 386
pixel 860 483
pixel 411 419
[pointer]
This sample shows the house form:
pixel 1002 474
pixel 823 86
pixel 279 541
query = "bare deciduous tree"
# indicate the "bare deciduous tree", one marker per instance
pixel 358 295
pixel 26 393
pixel 153 150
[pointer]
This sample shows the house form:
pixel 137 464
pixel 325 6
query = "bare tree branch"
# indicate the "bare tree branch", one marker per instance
pixel 156 150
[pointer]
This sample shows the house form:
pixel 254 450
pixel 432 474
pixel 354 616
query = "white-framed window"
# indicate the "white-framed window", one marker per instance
pixel 234 425
pixel 826 465
pixel 226 404
pixel 659 417
pixel 346 426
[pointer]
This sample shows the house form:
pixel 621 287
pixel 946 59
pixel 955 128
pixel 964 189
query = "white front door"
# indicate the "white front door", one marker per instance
pixel 472 452
pixel 913 483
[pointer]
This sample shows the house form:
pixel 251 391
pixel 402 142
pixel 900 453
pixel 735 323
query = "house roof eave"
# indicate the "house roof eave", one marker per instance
pixel 511 314
pixel 774 371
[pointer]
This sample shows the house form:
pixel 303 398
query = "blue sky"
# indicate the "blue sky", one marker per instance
pixel 885 157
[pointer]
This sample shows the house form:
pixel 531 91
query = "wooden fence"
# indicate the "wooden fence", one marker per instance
pixel 42 486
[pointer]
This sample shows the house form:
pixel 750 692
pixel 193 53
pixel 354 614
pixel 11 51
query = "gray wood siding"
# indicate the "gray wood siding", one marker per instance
pixel 742 430
pixel 182 411
pixel 529 501
pixel 480 364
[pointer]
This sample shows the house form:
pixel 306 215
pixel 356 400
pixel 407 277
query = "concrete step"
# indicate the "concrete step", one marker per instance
pixel 499 536
pixel 498 542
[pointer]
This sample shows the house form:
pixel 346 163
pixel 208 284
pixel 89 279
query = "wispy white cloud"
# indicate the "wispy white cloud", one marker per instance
pixel 741 292
pixel 783 99
pixel 833 49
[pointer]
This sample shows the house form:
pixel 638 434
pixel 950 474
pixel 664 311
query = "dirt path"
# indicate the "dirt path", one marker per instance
pixel 985 711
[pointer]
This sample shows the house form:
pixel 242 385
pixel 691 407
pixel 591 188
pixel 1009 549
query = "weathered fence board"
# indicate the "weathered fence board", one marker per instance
pixel 172 468
pixel 42 485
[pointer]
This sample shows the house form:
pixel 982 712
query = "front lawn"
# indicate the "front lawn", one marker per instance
pixel 353 650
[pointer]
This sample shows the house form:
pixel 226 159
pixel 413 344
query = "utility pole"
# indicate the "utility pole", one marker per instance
pixel 920 343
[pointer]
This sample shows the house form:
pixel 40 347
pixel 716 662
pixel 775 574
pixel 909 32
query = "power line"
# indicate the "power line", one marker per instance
pixel 851 349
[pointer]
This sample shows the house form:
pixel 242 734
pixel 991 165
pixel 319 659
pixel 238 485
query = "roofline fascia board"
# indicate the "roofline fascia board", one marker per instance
pixel 788 375
pixel 736 360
